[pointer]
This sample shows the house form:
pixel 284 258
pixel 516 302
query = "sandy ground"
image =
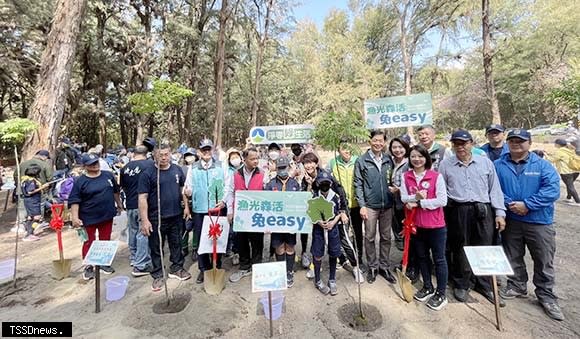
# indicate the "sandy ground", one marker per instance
pixel 233 313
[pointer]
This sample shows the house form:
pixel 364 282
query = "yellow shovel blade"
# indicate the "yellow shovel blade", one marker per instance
pixel 61 269
pixel 214 281
pixel 406 286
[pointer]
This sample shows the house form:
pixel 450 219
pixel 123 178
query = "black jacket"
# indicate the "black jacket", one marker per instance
pixel 371 186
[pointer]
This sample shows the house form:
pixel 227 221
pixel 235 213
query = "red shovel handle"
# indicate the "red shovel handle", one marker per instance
pixel 408 226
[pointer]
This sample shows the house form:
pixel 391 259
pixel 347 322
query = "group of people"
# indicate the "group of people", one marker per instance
pixel 499 194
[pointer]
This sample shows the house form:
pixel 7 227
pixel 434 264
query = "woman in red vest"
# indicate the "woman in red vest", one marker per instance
pixel 424 190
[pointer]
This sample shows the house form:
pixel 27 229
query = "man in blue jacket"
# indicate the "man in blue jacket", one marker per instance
pixel 496 147
pixel 531 186
pixel 372 173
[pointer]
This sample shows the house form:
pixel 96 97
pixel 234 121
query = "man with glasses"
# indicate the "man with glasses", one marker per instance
pixel 475 207
pixel 438 152
pixel 531 185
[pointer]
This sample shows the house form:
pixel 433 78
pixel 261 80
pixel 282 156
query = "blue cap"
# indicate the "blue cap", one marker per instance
pixel 461 134
pixel 519 133
pixel 44 153
pixel 89 159
pixel 322 177
pixel 494 127
pixel 190 151
pixel 205 143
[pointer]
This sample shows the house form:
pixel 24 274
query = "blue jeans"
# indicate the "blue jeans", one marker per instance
pixel 432 240
pixel 138 243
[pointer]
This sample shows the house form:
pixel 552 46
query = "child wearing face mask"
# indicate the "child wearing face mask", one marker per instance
pixel 284 243
pixel 326 233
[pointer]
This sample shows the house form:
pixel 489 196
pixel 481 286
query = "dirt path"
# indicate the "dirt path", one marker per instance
pixel 233 314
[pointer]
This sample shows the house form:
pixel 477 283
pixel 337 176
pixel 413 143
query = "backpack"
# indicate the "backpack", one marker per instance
pixel 574 162
pixel 32 171
pixel 64 188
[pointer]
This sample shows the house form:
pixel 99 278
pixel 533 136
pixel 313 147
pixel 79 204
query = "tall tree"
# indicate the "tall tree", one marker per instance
pixel 262 37
pixel 225 15
pixel 54 78
pixel 488 62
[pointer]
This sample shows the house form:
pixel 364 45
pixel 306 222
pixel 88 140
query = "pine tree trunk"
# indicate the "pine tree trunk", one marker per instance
pixel 219 75
pixel 407 60
pixel 54 78
pixel 258 76
pixel 488 63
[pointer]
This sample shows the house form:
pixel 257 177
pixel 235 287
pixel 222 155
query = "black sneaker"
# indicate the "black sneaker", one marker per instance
pixel 509 293
pixel 388 276
pixel 199 279
pixel 437 301
pixel 289 279
pixel 553 310
pixel 371 276
pixel 139 273
pixel 107 269
pixel 157 284
pixel 180 275
pixel 424 294
pixel 89 273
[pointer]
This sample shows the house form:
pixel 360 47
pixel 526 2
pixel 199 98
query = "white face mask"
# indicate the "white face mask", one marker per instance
pixel 236 162
pixel 274 155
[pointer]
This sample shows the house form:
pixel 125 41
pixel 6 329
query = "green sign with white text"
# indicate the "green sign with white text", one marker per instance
pixel 272 211
pixel 400 111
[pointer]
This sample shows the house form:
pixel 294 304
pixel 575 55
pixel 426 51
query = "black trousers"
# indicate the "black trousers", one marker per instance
pixel 470 224
pixel 568 180
pixel 346 244
pixel 357 227
pixel 251 246
pixel 541 242
pixel 171 230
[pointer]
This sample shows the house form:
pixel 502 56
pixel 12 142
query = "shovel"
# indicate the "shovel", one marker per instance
pixel 404 281
pixel 214 280
pixel 61 267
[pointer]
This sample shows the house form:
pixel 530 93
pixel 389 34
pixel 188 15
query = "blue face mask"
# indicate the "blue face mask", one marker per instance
pixel 283 174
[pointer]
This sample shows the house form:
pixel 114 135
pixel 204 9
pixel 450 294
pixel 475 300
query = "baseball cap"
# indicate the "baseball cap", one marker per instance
pixel 519 133
pixel 461 134
pixel 561 142
pixel 89 159
pixel 205 143
pixel 274 145
pixel 494 127
pixel 44 153
pixel 150 143
pixel 282 162
pixel 190 151
pixel 322 177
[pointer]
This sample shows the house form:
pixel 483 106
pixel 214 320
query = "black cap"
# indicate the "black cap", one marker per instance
pixel 282 162
pixel 44 153
pixel 274 145
pixel 323 177
pixel 561 142
pixel 494 127
pixel 461 134
pixel 150 143
pixel 89 159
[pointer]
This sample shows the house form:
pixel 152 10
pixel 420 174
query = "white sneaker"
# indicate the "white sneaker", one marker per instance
pixel 358 276
pixel 310 274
